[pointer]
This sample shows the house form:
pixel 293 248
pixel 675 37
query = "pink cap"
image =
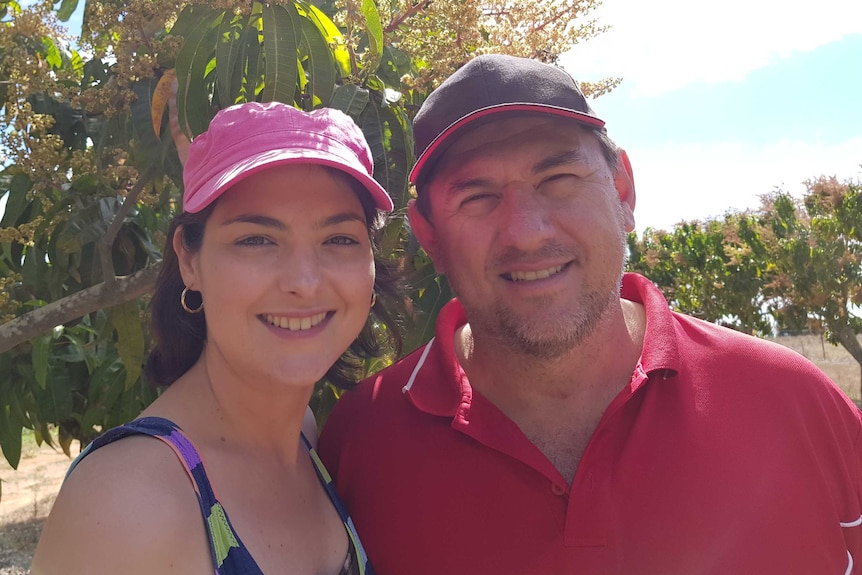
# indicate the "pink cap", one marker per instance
pixel 247 138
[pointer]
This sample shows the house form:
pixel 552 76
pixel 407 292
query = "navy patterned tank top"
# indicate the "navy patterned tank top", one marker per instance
pixel 229 555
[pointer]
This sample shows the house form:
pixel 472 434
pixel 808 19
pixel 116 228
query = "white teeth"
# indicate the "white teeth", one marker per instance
pixel 295 323
pixel 539 275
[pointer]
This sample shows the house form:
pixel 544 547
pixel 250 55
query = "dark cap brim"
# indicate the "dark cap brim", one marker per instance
pixel 438 145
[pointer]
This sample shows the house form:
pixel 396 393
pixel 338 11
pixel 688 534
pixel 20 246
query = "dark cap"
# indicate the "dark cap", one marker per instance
pixel 491 84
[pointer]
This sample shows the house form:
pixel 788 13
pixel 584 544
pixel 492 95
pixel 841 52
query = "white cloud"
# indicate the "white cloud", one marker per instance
pixel 662 45
pixel 697 181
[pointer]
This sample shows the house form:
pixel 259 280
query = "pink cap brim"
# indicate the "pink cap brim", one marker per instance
pixel 222 181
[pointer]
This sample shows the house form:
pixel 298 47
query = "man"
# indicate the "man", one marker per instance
pixel 563 420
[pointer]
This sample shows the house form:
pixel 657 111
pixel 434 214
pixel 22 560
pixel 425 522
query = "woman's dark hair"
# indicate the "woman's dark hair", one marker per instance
pixel 180 336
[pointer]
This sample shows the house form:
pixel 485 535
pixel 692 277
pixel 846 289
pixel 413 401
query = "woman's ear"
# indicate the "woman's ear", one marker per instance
pixel 188 261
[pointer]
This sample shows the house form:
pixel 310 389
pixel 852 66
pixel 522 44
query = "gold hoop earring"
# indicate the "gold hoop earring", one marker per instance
pixel 185 305
pixel 373 298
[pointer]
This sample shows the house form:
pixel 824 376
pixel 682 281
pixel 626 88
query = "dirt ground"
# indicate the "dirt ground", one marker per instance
pixel 28 494
pixel 29 491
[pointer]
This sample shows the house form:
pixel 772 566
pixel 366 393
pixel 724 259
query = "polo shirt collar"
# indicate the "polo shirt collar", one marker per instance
pixel 438 385
pixel 661 347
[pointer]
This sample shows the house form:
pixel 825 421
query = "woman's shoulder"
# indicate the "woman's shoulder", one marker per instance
pixel 127 507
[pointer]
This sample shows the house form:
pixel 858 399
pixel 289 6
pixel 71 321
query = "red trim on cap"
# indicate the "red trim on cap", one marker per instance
pixel 482 112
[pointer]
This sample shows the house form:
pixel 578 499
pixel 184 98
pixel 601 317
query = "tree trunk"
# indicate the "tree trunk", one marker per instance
pixel 847 339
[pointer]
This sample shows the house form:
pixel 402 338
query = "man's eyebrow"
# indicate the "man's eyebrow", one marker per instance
pixel 574 156
pixel 466 184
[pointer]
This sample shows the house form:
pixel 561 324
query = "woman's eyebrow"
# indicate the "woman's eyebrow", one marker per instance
pixel 574 156
pixel 256 219
pixel 269 222
pixel 342 217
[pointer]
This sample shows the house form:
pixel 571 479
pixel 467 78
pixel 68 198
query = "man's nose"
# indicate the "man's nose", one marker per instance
pixel 527 221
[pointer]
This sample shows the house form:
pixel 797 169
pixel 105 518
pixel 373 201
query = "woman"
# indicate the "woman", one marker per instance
pixel 266 286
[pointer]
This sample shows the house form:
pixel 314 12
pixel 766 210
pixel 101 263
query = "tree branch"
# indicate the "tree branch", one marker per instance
pixel 410 12
pixel 101 296
pixel 106 243
pixel 552 20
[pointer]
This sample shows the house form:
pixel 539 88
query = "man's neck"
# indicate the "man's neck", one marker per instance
pixel 557 403
pixel 609 353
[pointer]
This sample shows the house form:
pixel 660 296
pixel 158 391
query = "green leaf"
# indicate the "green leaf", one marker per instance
pixel 126 320
pixel 88 224
pixel 228 50
pixel 77 63
pixel 350 99
pixel 321 65
pixel 17 201
pixel 52 54
pixel 375 33
pixel 41 351
pixel 333 37
pixel 192 61
pixel 431 294
pixel 67 8
pixel 106 385
pixel 10 437
pixel 251 59
pixel 395 64
pixel 190 17
pixel 147 143
pixel 390 140
pixel 55 402
pixel 281 33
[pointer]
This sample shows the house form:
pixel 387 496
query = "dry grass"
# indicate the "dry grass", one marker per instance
pixel 28 494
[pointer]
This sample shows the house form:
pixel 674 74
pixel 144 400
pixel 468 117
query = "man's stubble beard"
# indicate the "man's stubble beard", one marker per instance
pixel 554 337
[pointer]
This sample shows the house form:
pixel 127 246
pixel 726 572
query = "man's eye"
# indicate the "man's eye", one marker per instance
pixel 476 198
pixel 557 178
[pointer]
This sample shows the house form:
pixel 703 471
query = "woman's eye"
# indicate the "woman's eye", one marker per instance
pixel 254 241
pixel 341 241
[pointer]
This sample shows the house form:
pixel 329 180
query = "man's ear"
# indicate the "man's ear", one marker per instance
pixel 624 182
pixel 425 233
pixel 187 261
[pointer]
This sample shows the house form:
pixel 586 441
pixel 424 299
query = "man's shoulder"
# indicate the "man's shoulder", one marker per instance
pixel 754 366
pixel 724 343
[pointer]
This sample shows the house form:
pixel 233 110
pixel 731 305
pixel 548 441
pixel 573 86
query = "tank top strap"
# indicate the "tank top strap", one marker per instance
pixel 229 555
pixel 359 563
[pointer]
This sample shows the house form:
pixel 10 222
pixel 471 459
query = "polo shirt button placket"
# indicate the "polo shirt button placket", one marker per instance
pixel 558 489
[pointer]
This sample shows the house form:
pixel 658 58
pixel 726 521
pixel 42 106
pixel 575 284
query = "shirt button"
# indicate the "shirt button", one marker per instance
pixel 558 489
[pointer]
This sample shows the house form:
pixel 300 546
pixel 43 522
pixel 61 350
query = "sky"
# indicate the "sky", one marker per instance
pixel 724 101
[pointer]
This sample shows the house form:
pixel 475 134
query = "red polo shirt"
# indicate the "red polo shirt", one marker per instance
pixel 724 454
